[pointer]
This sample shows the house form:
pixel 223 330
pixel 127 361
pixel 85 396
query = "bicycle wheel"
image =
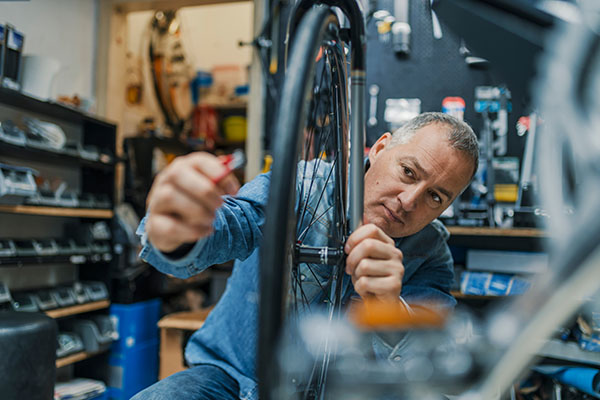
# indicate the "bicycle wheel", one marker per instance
pixel 302 262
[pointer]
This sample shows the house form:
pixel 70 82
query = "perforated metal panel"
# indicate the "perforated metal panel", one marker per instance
pixel 433 70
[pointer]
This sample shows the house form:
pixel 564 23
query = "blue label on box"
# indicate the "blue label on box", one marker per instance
pixel 15 40
pixel 492 284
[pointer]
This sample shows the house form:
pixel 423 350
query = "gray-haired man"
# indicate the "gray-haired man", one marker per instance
pixel 399 254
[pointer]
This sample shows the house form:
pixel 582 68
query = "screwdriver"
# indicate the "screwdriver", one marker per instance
pixel 231 162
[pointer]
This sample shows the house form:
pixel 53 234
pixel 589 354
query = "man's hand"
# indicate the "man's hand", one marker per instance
pixel 183 200
pixel 374 263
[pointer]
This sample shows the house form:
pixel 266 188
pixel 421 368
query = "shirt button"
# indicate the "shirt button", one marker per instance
pixel 397 358
pixel 302 277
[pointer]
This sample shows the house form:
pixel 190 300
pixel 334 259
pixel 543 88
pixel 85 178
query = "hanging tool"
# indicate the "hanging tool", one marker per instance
pixel 373 92
pixel 401 29
pixel 437 28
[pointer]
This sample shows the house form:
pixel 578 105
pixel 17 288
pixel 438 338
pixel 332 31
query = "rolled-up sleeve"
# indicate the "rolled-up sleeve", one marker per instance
pixel 237 232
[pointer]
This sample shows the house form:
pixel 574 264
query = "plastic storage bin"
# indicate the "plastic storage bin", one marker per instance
pixel 16 183
pixel 135 323
pixel 93 338
pixel 132 370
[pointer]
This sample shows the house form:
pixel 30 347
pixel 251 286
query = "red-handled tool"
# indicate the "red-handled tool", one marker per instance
pixel 231 162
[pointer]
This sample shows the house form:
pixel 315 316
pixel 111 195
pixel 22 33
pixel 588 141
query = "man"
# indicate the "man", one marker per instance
pixel 399 254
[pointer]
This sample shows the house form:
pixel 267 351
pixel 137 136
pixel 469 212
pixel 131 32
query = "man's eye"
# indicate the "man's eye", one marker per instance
pixel 408 172
pixel 436 198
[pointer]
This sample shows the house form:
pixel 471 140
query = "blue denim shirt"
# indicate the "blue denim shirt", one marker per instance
pixel 228 338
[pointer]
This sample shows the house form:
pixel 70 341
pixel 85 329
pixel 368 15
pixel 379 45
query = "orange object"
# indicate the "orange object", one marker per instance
pixel 373 314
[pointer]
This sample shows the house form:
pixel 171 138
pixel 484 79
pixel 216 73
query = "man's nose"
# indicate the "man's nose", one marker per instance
pixel 409 198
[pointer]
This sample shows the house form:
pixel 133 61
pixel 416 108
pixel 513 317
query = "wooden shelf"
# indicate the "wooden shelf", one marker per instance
pixel 459 295
pixel 78 309
pixel 57 211
pixel 73 358
pixel 485 231
pixel 227 106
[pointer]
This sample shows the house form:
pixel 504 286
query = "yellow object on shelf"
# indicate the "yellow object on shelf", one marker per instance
pixel 234 128
pixel 506 193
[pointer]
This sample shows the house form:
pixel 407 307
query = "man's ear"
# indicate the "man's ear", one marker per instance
pixel 382 143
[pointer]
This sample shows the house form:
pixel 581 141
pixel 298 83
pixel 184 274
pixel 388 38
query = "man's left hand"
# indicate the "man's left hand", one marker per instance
pixel 374 263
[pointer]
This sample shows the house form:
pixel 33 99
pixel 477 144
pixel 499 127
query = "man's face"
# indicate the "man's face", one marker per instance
pixel 409 185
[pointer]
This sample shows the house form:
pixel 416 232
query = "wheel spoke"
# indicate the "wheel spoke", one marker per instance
pixel 324 290
pixel 304 232
pixel 307 147
pixel 316 207
pixel 314 123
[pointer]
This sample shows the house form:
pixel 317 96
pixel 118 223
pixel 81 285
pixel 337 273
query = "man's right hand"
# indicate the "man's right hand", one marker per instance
pixel 183 200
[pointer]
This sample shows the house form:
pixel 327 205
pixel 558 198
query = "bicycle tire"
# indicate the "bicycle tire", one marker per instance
pixel 316 35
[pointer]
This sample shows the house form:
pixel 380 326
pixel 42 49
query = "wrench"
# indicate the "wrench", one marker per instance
pixel 373 92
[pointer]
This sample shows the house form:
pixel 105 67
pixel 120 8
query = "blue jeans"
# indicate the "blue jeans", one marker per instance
pixel 203 382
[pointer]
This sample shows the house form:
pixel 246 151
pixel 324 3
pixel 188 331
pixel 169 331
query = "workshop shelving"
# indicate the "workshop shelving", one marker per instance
pixel 73 358
pixel 521 239
pixel 48 155
pixel 516 239
pixel 76 259
pixel 459 295
pixel 58 211
pixel 497 232
pixel 50 108
pixel 241 106
pixel 495 240
pixel 81 172
pixel 78 309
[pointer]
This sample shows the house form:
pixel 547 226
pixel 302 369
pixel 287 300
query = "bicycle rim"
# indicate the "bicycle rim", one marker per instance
pixel 302 260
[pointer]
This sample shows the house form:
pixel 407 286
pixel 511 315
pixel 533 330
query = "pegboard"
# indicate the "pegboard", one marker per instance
pixel 434 69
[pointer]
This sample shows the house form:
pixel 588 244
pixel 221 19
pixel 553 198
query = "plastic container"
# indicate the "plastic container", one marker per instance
pixel 132 370
pixel 94 339
pixel 16 183
pixel 38 74
pixel 135 323
pixel 200 86
pixel 235 128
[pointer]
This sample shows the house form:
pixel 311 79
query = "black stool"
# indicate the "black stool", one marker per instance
pixel 27 356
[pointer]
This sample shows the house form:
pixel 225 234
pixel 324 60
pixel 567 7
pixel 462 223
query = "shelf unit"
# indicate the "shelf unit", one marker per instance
pixel 458 295
pixel 516 239
pixel 74 358
pixel 463 238
pixel 227 106
pixel 48 107
pixel 75 259
pixel 61 157
pixel 83 175
pixel 58 211
pixel 78 309
pixel 497 232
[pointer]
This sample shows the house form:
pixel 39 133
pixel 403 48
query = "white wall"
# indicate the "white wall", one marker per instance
pixel 210 33
pixel 210 36
pixel 64 30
